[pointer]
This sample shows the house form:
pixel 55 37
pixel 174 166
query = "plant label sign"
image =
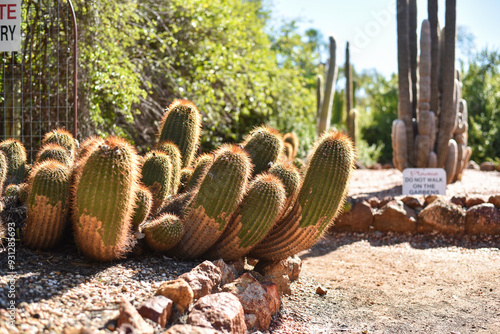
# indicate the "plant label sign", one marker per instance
pixel 10 25
pixel 424 181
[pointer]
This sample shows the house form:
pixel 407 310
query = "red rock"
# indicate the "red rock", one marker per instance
pixel 203 279
pixel 395 217
pixel 429 199
pixel 472 201
pixel 294 266
pixel 179 292
pixel 387 166
pixel 442 216
pixel 220 311
pixel 412 202
pixel 130 317
pixel 458 200
pixel 254 299
pixel 190 329
pixel 228 272
pixel 374 202
pixel 384 201
pixel 495 200
pixel 277 272
pixel 158 309
pixel 320 291
pixel 487 166
pixel 274 299
pixel 482 218
pixel 358 219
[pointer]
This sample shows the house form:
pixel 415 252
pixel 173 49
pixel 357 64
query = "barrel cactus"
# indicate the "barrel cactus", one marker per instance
pixel 157 175
pixel 55 152
pixel 47 204
pixel 252 220
pixel 290 177
pixel 16 160
pixel 292 139
pixel 173 152
pixel 321 196
pixel 3 171
pixel 219 193
pixel 61 137
pixel 103 200
pixel 202 164
pixel 143 203
pixel 163 233
pixel 181 125
pixel 264 145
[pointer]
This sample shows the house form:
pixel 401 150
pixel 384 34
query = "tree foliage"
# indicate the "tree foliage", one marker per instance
pixel 139 55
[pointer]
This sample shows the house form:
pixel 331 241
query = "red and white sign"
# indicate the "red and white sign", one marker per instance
pixel 10 25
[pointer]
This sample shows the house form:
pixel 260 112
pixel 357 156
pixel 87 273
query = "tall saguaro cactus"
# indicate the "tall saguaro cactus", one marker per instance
pixel 331 79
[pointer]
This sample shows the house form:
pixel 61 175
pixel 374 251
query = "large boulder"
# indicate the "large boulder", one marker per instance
pixel 395 216
pixel 220 311
pixel 442 216
pixel 482 218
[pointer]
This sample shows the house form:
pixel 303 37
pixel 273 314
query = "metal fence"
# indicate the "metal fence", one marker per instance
pixel 38 84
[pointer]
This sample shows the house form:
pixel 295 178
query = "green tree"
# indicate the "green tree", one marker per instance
pixel 481 90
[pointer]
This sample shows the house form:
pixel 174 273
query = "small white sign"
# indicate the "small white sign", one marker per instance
pixel 424 181
pixel 10 25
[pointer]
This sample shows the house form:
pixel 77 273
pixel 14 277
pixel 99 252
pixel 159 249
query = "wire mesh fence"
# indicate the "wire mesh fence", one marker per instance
pixel 38 83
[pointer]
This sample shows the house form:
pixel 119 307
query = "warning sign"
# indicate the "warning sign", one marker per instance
pixel 424 181
pixel 10 25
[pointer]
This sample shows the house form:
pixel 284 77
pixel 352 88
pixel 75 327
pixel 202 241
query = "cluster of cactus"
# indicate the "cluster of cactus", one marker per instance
pixel 238 200
pixel 431 129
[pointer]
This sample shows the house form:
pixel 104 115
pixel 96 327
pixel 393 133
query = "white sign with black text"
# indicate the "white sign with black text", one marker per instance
pixel 10 25
pixel 424 181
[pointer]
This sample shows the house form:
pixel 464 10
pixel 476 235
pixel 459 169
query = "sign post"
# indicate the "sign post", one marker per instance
pixel 10 25
pixel 424 181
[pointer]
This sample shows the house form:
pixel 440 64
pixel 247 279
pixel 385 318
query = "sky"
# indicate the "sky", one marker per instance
pixel 370 26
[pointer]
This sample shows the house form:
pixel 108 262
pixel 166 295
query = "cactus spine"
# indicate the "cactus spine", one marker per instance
pixel 181 125
pixel 321 195
pixel 143 204
pixel 163 233
pixel 103 200
pixel 264 145
pixel 47 205
pixel 157 175
pixel 16 158
pixel 252 220
pixel 173 152
pixel 55 152
pixel 218 195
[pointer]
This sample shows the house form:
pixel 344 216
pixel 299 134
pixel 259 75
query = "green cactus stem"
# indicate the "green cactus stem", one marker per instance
pixel 88 146
pixel 320 197
pixel 163 233
pixel 103 200
pixel 181 125
pixel 23 192
pixel 218 195
pixel 157 175
pixel 252 220
pixel 3 171
pixel 186 174
pixel 55 152
pixel 291 180
pixel 47 204
pixel 203 163
pixel 143 204
pixel 264 145
pixel 173 152
pixel 12 190
pixel 16 158
pixel 61 137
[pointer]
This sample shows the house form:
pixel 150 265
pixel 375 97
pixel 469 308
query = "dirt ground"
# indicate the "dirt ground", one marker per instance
pixel 395 283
